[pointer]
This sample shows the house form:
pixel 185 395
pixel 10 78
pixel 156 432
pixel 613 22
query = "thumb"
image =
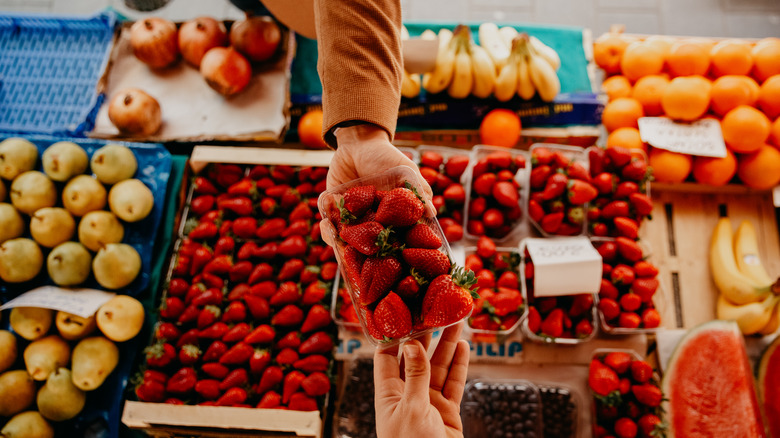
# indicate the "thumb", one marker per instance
pixel 417 373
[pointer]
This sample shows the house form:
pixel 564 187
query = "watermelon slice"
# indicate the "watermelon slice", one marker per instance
pixel 769 386
pixel 709 385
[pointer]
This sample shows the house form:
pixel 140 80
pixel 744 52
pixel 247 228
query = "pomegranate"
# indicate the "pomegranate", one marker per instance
pixel 154 41
pixel 255 37
pixel 225 70
pixel 134 112
pixel 198 36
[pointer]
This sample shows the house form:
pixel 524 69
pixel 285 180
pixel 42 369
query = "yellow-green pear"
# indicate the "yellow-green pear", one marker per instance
pixel 51 226
pixel 31 323
pixel 83 194
pixel 45 355
pixel 8 350
pixel 17 392
pixel 94 358
pixel 131 200
pixel 121 318
pixel 59 399
pixel 32 190
pixel 113 163
pixel 69 264
pixel 64 160
pixel 116 265
pixel 11 222
pixel 98 228
pixel 30 424
pixel 73 327
pixel 17 155
pixel 21 260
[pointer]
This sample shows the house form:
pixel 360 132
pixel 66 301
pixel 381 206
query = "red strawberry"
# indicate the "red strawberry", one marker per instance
pixel 449 298
pixel 182 381
pixel 400 207
pixel 431 159
pixel 622 274
pixel 208 389
pixel 392 317
pixel 328 272
pixel 429 263
pixel 602 379
pixel 650 425
pixel 202 186
pixel 645 269
pixel 288 293
pixel 357 200
pixel 259 360
pixel 189 354
pixel 262 334
pixel 312 363
pixel 615 209
pixel 629 249
pixel 647 394
pixel 235 312
pixel 365 237
pixel 552 325
pixel 299 220
pixel 244 227
pixel 642 204
pixel 505 193
pixel 534 320
pixel 493 218
pixel 292 382
pixel 291 269
pixel 208 315
pixel 237 354
pixel 629 320
pixel 641 371
pixel 208 297
pixel 377 277
pixel 270 400
pixel 627 227
pixel 316 384
pixel 506 301
pixel 317 318
pixel 233 397
pixel 215 351
pixel 625 428
pixel 552 222
pixel 302 402
pixel 237 377
pixel 288 315
pixel 422 236
pixel 293 246
pixel 456 165
pixel 237 333
pixel 583 329
pixel 319 343
pixel 650 318
pixel 555 186
pixel 189 337
pixel 167 332
pixel 150 391
pixel 160 355
pixel 455 194
pixel 271 228
pixel 309 275
pixel 287 356
pixel 580 192
pixel 609 308
pixel 314 293
pixel 408 287
pixel 271 377
pixel 486 248
pixel 630 302
pixel 618 361
pixel 215 370
pixel 258 306
pixel 264 289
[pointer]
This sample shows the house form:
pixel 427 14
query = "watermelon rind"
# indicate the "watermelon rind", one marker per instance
pixel 763 368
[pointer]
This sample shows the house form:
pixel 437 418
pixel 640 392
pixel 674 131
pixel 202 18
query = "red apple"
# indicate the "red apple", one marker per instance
pixel 255 37
pixel 134 112
pixel 154 41
pixel 198 36
pixel 225 70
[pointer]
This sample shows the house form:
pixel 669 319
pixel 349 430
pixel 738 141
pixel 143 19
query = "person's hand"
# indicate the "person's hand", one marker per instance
pixel 419 397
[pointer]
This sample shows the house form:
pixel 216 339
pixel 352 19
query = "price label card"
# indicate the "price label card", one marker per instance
pixel 81 302
pixel 564 266
pixel 702 137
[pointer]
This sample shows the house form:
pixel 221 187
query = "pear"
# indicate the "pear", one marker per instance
pixel 121 318
pixel 131 200
pixel 98 228
pixel 51 226
pixel 83 194
pixel 20 260
pixel 17 155
pixel 94 359
pixel 59 399
pixel 69 264
pixel 8 350
pixel 32 190
pixel 64 160
pixel 30 424
pixel 11 222
pixel 31 323
pixel 113 163
pixel 17 392
pixel 73 327
pixel 45 355
pixel 116 265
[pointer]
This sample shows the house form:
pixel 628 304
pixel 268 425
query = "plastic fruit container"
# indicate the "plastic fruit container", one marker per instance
pixel 341 309
pixel 491 406
pixel 444 169
pixel 355 417
pixel 560 409
pixel 378 278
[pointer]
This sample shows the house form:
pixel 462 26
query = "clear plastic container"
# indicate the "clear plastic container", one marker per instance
pixel 501 405
pixel 388 180
pixel 337 303
pixel 355 416
pixel 560 409
pixel 449 210
pixel 572 153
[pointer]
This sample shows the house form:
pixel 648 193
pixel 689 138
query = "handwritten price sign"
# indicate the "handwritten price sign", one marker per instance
pixel 564 266
pixel 81 302
pixel 702 137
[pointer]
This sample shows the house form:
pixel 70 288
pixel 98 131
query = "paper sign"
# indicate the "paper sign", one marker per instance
pixel 81 302
pixel 564 266
pixel 702 137
pixel 419 54
pixel 202 155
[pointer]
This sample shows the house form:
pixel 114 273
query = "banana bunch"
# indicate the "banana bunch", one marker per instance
pixel 462 67
pixel 526 66
pixel 410 83
pixel 748 295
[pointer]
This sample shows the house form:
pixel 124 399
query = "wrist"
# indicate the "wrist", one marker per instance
pixel 348 136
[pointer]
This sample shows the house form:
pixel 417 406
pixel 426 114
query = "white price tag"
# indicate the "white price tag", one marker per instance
pixel 81 302
pixel 702 137
pixel 564 266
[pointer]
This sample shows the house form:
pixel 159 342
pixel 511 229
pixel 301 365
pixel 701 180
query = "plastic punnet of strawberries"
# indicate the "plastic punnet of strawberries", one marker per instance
pixel 627 288
pixel 627 396
pixel 393 258
pixel 500 305
pixel 622 179
pixel 443 171
pixel 494 208
pixel 560 190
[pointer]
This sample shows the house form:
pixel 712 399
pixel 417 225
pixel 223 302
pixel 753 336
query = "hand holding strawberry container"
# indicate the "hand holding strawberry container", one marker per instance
pixel 443 168
pixel 394 258
pixel 560 189
pixel 495 197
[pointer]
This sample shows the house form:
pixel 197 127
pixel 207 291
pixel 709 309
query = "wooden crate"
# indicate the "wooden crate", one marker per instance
pixel 684 216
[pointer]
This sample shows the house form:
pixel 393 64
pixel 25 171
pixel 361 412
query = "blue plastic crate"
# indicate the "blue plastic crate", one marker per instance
pixel 49 70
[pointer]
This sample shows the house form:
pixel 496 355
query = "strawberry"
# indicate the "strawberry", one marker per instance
pixel 288 293
pixel 312 363
pixel 309 275
pixel 650 425
pixel 377 277
pixel 456 165
pixel 270 400
pixel 292 382
pixel 641 203
pixel 622 275
pixel 240 271
pixel 535 210
pixel 615 209
pixel 237 333
pixel 299 220
pixel 486 247
pixel 150 391
pixel 160 355
pixel 422 236
pixel 449 298
pixel 291 270
pixel 455 194
pixel 625 428
pixel 166 332
pixel 208 297
pixel 408 287
pixel 264 289
pixel 534 320
pixel 429 263
pixel 644 287
pixel 237 354
pixel 293 246
pixel 366 237
pixel 645 269
pixel 596 158
pixel 400 207
pixel 220 264
pixel 371 327
pixel 271 377
pixel 204 230
pixel 290 340
pixel 182 381
pixel 319 343
pixel 241 206
pixel 618 361
pixel 431 159
pixel 215 370
pixel 357 200
pixel 483 185
pixel 636 170
pixel 237 377
pixel 259 360
pixel 552 325
pixel 314 293
pixel 647 394
pixel 208 389
pixel 287 356
pixel 575 216
pixel 271 228
pixel 317 318
pixel 262 334
pixel 609 308
pixel 581 304
pixel 650 318
pixel 627 227
pixel 505 194
pixel 453 233
pixel 392 317
pixel 493 218
pixel 235 312
pixel 619 156
pixel 191 336
pixel 238 292
pixel 208 315
pixel 629 320
pixel 202 186
pixel 579 192
pixel 473 261
pixel 552 222
pixel 244 227
pixel 202 204
pixel 605 183
pixel 288 315
pixel 215 351
pixel 630 302
pixel 301 402
pixel 328 272
pixel 486 278
pixel 189 354
pixel 641 371
pixel 258 306
pixel 555 186
pixel 539 175
pixel 316 384
pixel 477 208
pixel 258 171
pixel 602 379
pixel 583 329
pixel 506 301
pixel 232 397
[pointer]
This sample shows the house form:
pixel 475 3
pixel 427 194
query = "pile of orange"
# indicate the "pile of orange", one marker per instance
pixel 734 81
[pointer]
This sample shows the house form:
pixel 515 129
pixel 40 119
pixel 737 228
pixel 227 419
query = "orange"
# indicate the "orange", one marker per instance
pixel 769 97
pixel 761 169
pixel 500 127
pixel 774 133
pixel 686 98
pixel 669 167
pixel 608 50
pixel 687 58
pixel 731 57
pixel 715 171
pixel 766 58
pixel 310 130
pixel 626 137
pixel 616 86
pixel 621 112
pixel 731 91
pixel 661 42
pixel 745 129
pixel 641 59
pixel 648 91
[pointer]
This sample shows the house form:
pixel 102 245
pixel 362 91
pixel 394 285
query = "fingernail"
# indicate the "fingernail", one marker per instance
pixel 410 351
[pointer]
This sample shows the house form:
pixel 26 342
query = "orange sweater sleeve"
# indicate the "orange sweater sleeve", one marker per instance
pixel 359 62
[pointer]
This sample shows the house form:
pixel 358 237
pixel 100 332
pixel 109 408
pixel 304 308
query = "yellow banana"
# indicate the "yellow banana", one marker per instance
pixel 543 76
pixel 750 317
pixel 410 85
pixel 746 253
pixel 490 39
pixel 508 34
pixel 463 76
pixel 428 35
pixel 548 53
pixel 774 322
pixel 506 82
pixel 735 286
pixel 484 72
pixel 439 79
pixel 525 88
